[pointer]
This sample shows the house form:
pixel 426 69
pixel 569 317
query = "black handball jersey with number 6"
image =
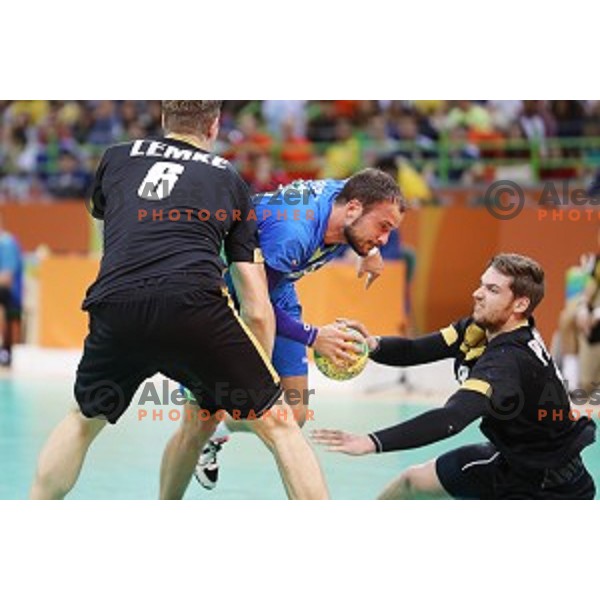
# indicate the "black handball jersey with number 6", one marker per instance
pixel 168 207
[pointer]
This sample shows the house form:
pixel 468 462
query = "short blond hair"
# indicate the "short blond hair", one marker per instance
pixel 190 116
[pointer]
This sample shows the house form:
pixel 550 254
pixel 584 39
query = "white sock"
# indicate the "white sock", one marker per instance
pixel 221 431
pixel 570 370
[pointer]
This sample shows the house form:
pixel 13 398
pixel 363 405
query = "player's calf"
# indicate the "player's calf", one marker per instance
pixel 62 457
pixel 420 481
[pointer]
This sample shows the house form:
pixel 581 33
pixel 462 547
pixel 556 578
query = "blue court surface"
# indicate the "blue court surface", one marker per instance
pixel 124 461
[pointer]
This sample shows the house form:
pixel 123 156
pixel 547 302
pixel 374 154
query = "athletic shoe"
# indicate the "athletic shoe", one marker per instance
pixel 207 469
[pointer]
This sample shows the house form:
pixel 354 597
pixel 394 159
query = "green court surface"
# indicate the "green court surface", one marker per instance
pixel 124 461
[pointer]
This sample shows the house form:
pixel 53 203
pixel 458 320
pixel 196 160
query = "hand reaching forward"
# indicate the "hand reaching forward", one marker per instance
pixel 341 441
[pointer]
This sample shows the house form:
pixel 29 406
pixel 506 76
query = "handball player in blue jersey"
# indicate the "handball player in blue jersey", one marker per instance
pixel 303 226
pixel 11 291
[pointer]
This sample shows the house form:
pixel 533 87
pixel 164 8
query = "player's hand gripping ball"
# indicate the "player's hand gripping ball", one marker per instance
pixel 350 369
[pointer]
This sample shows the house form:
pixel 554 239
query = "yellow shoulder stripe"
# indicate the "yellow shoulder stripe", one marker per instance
pixel 449 334
pixel 477 385
pixel 258 256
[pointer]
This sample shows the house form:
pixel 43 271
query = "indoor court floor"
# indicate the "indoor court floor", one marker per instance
pixel 124 461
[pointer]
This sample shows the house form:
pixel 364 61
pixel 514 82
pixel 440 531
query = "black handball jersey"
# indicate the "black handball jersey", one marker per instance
pixel 169 208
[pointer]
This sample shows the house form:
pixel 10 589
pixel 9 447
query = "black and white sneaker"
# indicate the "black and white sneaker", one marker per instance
pixel 207 469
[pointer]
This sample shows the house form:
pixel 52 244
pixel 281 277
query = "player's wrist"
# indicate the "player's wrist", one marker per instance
pixel 375 446
pixel 312 336
pixel 374 343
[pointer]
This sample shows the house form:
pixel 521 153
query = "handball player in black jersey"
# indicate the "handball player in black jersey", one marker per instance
pixel 159 303
pixel 509 381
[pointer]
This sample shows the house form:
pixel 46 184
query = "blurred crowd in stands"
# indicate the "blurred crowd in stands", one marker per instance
pixel 49 149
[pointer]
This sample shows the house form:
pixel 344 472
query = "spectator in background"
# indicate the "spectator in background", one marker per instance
pixel 71 181
pixel 262 176
pixel 463 156
pixel 106 127
pixel 298 158
pixel 579 323
pixel 11 292
pixel 536 122
pixel 472 116
pixel 379 142
pixel 343 157
pixel 322 122
pixel 504 113
pixel 248 141
pixel 278 113
pixel 569 116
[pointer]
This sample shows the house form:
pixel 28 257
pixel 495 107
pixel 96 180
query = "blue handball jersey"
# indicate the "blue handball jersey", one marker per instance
pixel 291 226
pixel 11 260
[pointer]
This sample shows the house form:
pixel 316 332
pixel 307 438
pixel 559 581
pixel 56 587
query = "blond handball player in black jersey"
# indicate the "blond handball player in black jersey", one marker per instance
pixel 158 303
pixel 509 381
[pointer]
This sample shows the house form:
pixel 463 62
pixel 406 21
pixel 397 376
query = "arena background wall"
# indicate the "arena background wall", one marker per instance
pixel 452 243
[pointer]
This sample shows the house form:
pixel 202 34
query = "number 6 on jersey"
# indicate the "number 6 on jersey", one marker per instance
pixel 160 180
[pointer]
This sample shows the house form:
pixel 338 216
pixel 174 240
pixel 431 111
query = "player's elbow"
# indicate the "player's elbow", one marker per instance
pixel 258 314
pixel 260 319
pixel 454 426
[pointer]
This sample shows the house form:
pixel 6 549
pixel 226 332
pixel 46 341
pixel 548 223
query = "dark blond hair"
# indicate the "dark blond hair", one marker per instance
pixel 190 116
pixel 527 277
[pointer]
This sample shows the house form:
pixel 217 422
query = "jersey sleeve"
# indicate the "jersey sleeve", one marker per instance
pixel 98 199
pixel 403 352
pixel 285 243
pixel 241 243
pixel 461 409
pixel 9 257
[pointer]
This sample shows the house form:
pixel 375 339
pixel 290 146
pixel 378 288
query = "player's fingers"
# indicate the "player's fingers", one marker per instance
pixel 344 358
pixel 349 335
pixel 356 325
pixel 326 436
pixel 327 432
pixel 371 277
pixel 351 345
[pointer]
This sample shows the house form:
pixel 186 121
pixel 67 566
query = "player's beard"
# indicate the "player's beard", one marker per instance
pixel 359 244
pixel 491 322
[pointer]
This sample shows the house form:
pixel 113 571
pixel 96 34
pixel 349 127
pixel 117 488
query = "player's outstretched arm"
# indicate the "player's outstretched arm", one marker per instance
pixel 402 352
pixel 250 282
pixel 462 408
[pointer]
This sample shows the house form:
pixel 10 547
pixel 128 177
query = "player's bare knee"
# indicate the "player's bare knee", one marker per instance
pixel 195 426
pixel 84 427
pixel 414 479
pixel 276 425
pixel 300 414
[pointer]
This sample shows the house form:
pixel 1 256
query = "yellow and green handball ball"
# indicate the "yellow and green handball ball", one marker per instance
pixel 349 370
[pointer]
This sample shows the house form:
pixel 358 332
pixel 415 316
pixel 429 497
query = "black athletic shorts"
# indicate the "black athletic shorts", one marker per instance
pixel 479 471
pixel 191 336
pixel 13 310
